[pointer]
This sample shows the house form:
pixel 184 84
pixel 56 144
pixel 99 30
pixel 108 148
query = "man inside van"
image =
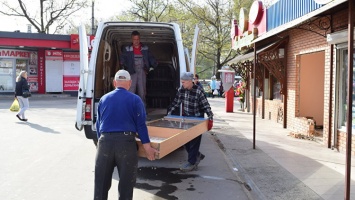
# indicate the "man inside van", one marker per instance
pixel 138 61
pixel 194 104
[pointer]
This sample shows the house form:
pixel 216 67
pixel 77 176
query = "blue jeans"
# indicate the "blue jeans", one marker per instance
pixel 115 150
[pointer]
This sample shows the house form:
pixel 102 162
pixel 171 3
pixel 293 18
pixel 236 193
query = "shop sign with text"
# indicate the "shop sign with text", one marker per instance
pixel 250 26
pixel 74 41
pixel 11 53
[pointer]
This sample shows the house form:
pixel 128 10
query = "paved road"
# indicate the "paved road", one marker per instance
pixel 47 158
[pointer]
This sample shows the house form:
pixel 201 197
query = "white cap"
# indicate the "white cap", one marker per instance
pixel 122 75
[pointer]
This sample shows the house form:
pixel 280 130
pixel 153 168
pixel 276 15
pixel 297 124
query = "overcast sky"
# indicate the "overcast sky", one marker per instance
pixel 104 9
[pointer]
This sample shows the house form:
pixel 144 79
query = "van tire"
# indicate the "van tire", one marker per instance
pixel 90 134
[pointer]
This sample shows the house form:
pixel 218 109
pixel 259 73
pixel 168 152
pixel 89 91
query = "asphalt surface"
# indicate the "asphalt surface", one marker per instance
pixel 232 169
pixel 47 158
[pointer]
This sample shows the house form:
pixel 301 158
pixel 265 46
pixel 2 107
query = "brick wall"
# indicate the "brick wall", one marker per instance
pixel 304 42
pixel 272 108
pixel 300 42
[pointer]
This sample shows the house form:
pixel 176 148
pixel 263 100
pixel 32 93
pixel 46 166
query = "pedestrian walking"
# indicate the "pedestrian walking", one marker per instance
pixel 213 86
pixel 21 86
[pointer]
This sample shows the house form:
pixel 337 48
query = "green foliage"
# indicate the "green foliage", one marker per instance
pixel 150 10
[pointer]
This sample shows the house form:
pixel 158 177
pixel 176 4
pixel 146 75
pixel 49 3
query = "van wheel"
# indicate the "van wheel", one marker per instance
pixel 90 134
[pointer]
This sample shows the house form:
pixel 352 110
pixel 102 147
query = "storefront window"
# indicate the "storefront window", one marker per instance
pixel 6 75
pixel 20 66
pixel 275 88
pixel 343 80
pixel 12 62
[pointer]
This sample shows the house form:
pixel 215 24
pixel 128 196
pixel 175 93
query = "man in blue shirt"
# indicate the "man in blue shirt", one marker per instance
pixel 120 116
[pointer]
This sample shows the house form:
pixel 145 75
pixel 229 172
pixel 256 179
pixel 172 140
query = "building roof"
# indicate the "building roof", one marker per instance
pixel 39 36
pixel 299 20
pixel 36 40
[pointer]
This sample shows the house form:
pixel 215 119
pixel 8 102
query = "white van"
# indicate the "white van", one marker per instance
pixel 165 44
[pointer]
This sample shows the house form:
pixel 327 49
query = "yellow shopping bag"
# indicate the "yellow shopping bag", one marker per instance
pixel 15 106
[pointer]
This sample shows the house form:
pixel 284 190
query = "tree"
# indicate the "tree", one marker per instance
pixel 150 10
pixel 214 18
pixel 48 13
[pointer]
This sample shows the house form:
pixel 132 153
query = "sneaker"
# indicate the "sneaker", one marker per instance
pixel 199 158
pixel 188 167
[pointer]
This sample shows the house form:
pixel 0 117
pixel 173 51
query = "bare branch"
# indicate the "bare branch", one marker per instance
pixel 49 12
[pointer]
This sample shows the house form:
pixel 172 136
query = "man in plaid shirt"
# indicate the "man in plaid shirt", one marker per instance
pixel 194 104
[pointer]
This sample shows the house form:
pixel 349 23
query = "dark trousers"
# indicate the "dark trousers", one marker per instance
pixel 115 151
pixel 193 149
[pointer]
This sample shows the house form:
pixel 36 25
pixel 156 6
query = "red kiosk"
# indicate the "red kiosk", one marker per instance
pixel 227 76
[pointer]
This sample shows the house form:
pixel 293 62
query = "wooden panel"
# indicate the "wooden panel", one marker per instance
pixel 170 133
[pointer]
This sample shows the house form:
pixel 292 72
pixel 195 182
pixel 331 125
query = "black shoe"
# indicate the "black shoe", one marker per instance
pixel 19 117
pixel 25 120
pixel 199 158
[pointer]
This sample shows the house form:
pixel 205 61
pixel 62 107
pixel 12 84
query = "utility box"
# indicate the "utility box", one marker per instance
pixel 228 77
pixel 172 132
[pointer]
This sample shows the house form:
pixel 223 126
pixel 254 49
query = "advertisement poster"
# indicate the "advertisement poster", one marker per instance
pixel 71 83
pixel 33 82
pixel 71 71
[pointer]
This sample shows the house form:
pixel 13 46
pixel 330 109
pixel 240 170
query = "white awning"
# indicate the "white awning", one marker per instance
pixel 338 37
pixel 250 55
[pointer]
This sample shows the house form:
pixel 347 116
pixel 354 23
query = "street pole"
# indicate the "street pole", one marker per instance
pixel 92 18
pixel 350 99
pixel 254 98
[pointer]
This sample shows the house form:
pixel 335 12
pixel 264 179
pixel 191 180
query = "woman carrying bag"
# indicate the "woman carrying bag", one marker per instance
pixel 21 87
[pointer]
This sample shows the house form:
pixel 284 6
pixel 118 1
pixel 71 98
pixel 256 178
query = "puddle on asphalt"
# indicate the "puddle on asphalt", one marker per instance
pixel 168 177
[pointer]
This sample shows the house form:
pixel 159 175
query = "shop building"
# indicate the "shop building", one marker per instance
pixel 52 61
pixel 300 68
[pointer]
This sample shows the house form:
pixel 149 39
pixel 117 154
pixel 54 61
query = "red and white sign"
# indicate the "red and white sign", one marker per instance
pixel 11 53
pixel 71 83
pixel 54 54
pixel 256 12
pixel 74 44
pixel 71 56
pixel 71 72
pixel 41 71
pixel 249 27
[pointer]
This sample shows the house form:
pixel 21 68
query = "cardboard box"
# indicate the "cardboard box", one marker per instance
pixel 170 133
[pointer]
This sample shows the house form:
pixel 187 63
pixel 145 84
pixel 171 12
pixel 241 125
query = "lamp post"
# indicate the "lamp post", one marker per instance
pixel 92 17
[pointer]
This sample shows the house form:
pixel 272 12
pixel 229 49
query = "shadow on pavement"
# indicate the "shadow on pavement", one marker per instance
pixel 39 127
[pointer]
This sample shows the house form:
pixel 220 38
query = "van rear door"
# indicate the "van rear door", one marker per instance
pixel 194 50
pixel 84 65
